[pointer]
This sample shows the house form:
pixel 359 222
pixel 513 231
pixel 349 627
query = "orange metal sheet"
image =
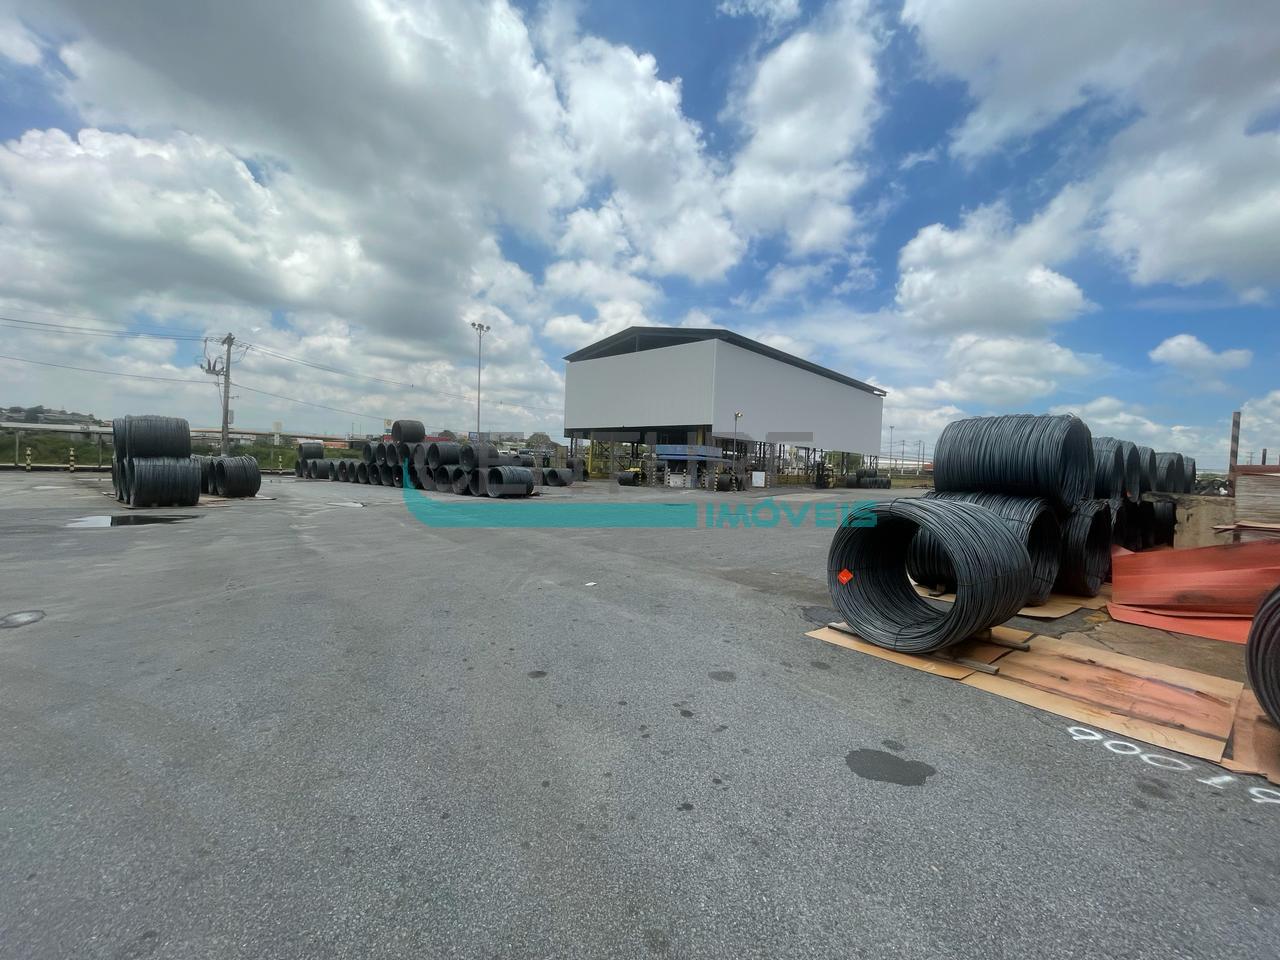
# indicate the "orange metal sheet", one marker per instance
pixel 1230 629
pixel 1230 579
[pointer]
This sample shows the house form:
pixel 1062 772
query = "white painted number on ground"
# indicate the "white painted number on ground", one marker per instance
pixel 1126 749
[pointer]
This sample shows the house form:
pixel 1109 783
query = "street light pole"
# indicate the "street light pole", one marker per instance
pixel 737 415
pixel 891 448
pixel 480 329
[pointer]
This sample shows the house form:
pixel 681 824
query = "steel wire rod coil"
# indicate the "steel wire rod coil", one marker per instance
pixel 163 482
pixel 1132 471
pixel 391 454
pixel 153 436
pixel 462 481
pixel 1018 454
pixel 1189 470
pixel 408 431
pixel 310 450
pixel 237 476
pixel 476 482
pixel 206 472
pixel 508 481
pixel 1166 521
pixel 367 451
pixel 1146 468
pixel 443 453
pixel 1170 473
pixel 1086 549
pixel 332 469
pixel 1108 468
pixel 362 472
pixel 478 455
pixel 342 471
pixel 374 474
pixel 443 476
pixel 556 476
pixel 1030 519
pixel 1262 655
pixel 867 573
pixel 299 468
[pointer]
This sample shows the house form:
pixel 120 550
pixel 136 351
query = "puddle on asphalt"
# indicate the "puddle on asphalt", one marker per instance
pixel 885 767
pixel 21 618
pixel 123 520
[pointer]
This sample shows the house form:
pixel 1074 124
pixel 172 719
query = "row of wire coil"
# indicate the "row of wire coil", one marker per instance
pixel 1022 506
pixel 152 465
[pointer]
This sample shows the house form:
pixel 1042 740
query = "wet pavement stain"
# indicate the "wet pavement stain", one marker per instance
pixel 885 767
pixel 820 615
pixel 819 665
pixel 123 520
pixel 21 618
pixel 891 745
pixel 536 675
pixel 685 807
pixel 724 676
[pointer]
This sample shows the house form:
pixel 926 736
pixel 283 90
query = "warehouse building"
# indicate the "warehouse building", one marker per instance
pixel 723 395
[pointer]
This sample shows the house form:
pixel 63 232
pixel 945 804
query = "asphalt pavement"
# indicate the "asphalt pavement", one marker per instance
pixel 316 726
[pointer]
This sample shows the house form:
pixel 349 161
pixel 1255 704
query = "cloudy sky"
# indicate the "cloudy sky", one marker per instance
pixel 982 206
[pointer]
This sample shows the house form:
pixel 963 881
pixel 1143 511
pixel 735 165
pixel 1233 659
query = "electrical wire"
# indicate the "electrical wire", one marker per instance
pixel 104 373
pixel 41 326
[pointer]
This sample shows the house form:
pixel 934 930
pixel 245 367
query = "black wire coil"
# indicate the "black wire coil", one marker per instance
pixel 163 481
pixel 1189 469
pixel 1108 468
pixel 310 450
pixel 152 436
pixel 442 454
pixel 477 455
pixel 362 472
pixel 867 573
pixel 1166 521
pixel 1086 549
pixel 1146 469
pixel 237 476
pixel 1132 470
pixel 1031 520
pixel 391 454
pixel 1170 473
pixel 1018 454
pixel 476 482
pixel 462 481
pixel 1262 655
pixel 366 451
pixel 509 481
pixel 559 476
pixel 206 472
pixel 408 431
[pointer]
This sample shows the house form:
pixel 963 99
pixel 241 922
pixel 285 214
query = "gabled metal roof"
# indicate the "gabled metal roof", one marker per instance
pixel 637 339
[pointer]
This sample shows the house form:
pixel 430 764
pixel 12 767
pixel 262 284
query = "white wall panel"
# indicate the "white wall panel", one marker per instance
pixel 652 388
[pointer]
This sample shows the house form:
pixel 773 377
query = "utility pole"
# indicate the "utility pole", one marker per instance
pixel 229 339
pixel 891 448
pixel 480 329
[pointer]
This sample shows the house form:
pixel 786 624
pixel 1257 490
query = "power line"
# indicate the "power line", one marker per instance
pixel 308 403
pixel 105 373
pixel 41 326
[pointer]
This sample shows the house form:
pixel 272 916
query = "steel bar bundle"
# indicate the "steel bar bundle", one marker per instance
pixel 237 476
pixel 1146 468
pixel 1262 656
pixel 1086 548
pixel 1108 469
pixel 1030 519
pixel 867 573
pixel 408 431
pixel 163 482
pixel 1017 454
pixel 310 450
pixel 509 481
